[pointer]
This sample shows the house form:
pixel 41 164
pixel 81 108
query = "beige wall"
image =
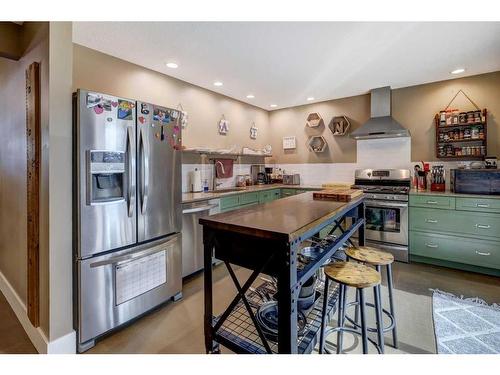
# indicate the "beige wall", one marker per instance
pixel 13 166
pixel 414 107
pixel 292 122
pixel 96 71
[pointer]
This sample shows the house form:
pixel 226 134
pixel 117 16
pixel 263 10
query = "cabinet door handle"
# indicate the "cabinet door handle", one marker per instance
pixel 433 221
pixel 482 205
pixel 432 245
pixel 483 226
pixel 432 202
pixel 483 254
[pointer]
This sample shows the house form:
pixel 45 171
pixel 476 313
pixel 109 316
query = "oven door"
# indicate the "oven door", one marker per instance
pixel 387 222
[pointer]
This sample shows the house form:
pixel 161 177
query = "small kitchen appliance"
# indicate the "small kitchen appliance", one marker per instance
pixel 475 181
pixel 386 208
pixel 291 179
pixel 258 172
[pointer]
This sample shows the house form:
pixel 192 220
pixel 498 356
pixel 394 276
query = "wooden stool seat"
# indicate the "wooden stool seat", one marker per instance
pixel 370 255
pixel 352 274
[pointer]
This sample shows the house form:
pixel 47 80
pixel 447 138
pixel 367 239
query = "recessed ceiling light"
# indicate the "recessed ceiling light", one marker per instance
pixel 310 98
pixel 458 71
pixel 250 96
pixel 172 65
pixel 218 83
pixel 273 105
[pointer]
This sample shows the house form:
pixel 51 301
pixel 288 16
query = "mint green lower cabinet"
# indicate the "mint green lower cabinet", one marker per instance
pixel 460 222
pixel 247 198
pixel 489 205
pixel 481 253
pixel 228 203
pixel 286 192
pixel 432 201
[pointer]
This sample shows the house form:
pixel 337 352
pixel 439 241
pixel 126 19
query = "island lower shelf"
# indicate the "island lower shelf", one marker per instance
pixel 240 335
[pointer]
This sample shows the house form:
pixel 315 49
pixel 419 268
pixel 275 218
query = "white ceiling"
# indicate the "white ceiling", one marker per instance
pixel 284 63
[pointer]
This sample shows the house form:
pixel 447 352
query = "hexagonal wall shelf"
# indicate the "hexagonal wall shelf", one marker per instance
pixel 314 120
pixel 317 143
pixel 339 125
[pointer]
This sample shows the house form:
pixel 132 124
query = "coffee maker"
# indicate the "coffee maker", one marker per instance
pixel 259 176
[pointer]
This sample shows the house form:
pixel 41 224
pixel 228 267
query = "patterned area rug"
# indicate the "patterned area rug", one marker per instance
pixel 465 325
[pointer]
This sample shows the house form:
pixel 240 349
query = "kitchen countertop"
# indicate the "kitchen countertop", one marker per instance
pixel 286 218
pixel 448 193
pixel 195 197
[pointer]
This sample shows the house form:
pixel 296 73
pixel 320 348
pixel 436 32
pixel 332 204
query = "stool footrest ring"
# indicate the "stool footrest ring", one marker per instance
pixel 389 328
pixel 330 330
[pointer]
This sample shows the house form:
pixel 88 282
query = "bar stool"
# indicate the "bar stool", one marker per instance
pixel 359 276
pixel 373 257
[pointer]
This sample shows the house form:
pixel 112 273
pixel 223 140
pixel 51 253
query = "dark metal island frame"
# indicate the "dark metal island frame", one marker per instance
pixel 265 239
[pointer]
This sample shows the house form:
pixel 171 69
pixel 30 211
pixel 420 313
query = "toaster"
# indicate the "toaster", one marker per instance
pixel 291 179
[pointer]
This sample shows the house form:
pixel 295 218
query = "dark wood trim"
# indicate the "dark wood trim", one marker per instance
pixel 33 154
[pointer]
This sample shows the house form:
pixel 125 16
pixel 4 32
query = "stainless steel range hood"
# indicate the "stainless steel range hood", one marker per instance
pixel 381 124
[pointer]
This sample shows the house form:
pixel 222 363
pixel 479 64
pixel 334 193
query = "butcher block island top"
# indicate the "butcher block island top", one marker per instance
pixel 286 218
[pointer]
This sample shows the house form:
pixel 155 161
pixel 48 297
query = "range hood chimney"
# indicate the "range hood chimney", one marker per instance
pixel 381 124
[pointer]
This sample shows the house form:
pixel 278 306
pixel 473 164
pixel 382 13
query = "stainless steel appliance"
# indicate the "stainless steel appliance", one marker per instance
pixel 192 239
pixel 475 181
pixel 127 211
pixel 381 123
pixel 258 172
pixel 291 179
pixel 386 208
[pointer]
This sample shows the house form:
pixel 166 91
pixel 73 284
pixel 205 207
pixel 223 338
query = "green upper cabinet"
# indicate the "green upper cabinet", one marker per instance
pixel 432 201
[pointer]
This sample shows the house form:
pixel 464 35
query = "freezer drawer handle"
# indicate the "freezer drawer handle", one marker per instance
pixel 134 256
pixel 432 245
pixel 432 221
pixel 482 205
pixel 144 173
pixel 483 226
pixel 198 209
pixel 131 173
pixel 483 254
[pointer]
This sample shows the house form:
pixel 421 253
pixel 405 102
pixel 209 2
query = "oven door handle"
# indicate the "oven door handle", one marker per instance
pixel 133 256
pixel 385 205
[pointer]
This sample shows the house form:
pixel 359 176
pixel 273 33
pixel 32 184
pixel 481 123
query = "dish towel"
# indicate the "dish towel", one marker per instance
pixel 224 168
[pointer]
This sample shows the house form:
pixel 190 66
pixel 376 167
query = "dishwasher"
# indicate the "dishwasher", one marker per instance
pixel 192 233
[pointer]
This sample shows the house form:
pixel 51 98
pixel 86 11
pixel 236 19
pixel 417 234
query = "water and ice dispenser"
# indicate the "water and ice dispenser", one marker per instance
pixel 106 176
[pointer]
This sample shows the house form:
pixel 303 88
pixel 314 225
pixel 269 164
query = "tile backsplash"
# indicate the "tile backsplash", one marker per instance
pixel 373 153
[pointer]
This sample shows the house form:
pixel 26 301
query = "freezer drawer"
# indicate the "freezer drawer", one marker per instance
pixel 118 287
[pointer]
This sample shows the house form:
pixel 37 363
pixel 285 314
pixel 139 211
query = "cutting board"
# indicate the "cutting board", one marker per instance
pixel 339 195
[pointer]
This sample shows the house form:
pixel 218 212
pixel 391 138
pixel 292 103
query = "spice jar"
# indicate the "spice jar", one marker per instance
pixel 442 118
pixel 461 134
pixel 462 117
pixel 477 116
pixel 481 132
pixel 474 134
pixel 454 116
pixel 467 133
pixel 470 117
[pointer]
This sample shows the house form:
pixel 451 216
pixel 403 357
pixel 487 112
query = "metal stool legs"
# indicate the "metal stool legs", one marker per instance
pixel 323 318
pixel 391 305
pixel 378 313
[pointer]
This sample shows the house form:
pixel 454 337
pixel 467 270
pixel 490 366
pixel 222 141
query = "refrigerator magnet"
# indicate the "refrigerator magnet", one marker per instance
pixel 125 109
pixel 144 109
pixel 142 119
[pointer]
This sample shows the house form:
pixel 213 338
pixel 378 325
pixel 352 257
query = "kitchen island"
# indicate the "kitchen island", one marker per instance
pixel 266 239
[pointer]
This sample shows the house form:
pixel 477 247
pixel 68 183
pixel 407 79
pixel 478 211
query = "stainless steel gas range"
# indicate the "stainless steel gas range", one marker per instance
pixel 386 208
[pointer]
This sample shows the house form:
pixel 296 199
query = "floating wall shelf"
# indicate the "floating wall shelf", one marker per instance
pixel 339 125
pixel 317 143
pixel 314 120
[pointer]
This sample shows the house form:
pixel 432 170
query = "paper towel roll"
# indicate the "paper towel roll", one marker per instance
pixel 196 181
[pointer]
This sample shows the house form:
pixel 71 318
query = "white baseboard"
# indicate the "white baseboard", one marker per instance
pixel 62 345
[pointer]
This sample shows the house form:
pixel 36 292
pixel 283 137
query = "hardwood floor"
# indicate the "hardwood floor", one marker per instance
pixel 13 339
pixel 178 327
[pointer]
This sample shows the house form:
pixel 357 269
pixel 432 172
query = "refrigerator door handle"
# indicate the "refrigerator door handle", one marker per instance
pixel 133 256
pixel 144 173
pixel 131 172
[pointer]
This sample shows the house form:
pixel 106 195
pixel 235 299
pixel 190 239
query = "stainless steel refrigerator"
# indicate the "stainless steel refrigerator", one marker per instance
pixel 127 211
